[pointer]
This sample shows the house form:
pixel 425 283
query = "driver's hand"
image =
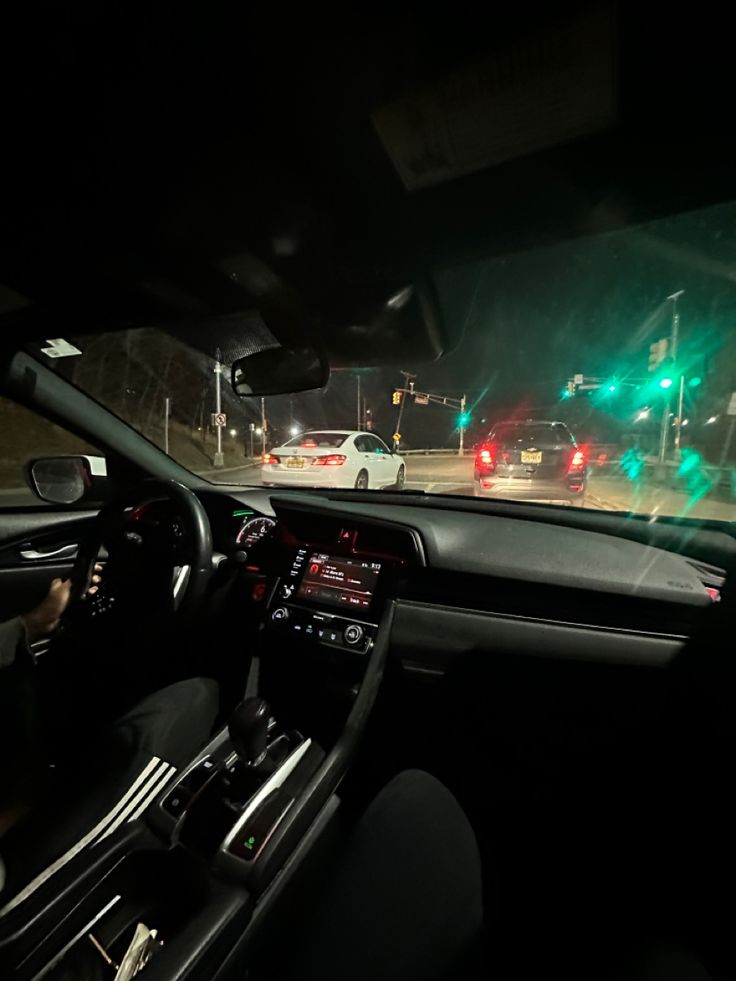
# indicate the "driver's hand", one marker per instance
pixel 44 619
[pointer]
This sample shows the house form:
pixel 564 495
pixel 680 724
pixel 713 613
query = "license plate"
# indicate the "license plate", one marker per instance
pixel 527 457
pixel 295 463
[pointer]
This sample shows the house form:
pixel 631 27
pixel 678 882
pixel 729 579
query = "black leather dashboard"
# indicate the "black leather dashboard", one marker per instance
pixel 479 544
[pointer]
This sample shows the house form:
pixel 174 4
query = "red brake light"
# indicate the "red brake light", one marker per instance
pixel 577 462
pixel 486 456
pixel 331 460
pixel 270 458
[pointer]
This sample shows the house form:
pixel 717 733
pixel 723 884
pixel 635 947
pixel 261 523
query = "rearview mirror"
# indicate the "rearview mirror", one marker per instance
pixel 279 371
pixel 65 479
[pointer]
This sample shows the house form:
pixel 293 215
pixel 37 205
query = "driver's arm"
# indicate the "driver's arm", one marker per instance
pixel 32 626
pixel 39 622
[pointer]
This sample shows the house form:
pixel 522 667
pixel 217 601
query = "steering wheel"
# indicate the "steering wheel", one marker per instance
pixel 169 568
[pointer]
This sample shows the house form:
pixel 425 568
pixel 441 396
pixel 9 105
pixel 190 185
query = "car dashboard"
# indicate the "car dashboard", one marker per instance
pixel 462 582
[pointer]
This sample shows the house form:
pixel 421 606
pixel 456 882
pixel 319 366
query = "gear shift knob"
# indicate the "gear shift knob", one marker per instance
pixel 248 728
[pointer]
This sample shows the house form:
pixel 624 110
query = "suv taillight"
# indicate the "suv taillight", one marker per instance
pixel 332 460
pixel 578 462
pixel 485 458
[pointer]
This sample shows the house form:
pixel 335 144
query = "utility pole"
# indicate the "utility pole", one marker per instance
pixel 219 459
pixel 360 413
pixel 263 426
pixel 167 414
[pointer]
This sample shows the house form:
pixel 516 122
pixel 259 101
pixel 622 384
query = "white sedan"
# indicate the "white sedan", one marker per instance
pixel 334 458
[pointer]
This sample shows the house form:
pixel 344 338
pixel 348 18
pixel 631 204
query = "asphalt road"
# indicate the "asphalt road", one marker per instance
pixel 606 491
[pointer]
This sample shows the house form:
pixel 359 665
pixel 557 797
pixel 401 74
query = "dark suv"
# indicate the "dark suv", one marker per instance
pixel 531 460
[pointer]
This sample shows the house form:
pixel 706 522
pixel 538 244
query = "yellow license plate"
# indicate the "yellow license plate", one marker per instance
pixel 527 457
pixel 295 462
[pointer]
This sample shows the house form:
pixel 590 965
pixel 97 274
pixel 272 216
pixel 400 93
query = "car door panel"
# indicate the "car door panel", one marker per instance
pixel 35 547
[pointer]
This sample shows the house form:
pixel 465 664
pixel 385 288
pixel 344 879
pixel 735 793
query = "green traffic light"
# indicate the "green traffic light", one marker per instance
pixel 695 381
pixel 565 393
pixel 463 419
pixel 665 383
pixel 611 388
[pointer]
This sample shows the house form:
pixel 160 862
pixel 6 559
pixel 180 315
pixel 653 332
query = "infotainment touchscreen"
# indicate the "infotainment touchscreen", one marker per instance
pixel 340 582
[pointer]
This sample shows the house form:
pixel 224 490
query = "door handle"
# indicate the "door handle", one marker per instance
pixel 65 552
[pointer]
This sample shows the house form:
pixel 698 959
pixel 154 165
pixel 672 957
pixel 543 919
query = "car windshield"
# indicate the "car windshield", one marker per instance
pixel 622 342
pixel 308 440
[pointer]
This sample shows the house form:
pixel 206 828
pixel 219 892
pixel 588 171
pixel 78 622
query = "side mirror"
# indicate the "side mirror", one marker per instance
pixel 279 371
pixel 67 479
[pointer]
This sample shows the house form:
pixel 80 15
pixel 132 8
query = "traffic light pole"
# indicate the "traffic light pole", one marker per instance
pixel 407 390
pixel 681 394
pixel 427 397
pixel 461 427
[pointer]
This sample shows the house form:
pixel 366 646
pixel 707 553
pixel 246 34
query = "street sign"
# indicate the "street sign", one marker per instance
pixel 421 400
pixel 658 353
pixel 577 379
pixel 219 419
pixel 397 437
pixel 731 410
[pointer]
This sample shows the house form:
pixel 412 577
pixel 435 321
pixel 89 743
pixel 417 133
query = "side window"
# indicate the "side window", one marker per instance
pixel 362 444
pixel 377 446
pixel 24 436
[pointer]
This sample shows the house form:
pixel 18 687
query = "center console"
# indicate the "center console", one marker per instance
pixel 229 831
pixel 329 600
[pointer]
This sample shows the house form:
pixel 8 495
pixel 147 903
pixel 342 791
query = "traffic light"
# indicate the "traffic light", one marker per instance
pixel 657 353
pixel 397 398
pixel 463 419
pixel 568 391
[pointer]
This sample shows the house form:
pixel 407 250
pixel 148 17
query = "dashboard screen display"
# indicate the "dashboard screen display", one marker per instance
pixel 336 581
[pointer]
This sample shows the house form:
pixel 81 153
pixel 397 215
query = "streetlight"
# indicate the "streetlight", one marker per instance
pixel 259 431
pixel 641 415
pixel 294 430
pixel 233 433
pixel 710 420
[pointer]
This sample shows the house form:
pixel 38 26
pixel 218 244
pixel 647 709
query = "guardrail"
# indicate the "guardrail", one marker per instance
pixel 442 452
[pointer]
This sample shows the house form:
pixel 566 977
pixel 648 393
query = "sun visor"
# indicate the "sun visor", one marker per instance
pixel 538 93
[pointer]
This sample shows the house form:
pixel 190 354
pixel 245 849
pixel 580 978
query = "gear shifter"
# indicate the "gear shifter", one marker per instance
pixel 248 728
